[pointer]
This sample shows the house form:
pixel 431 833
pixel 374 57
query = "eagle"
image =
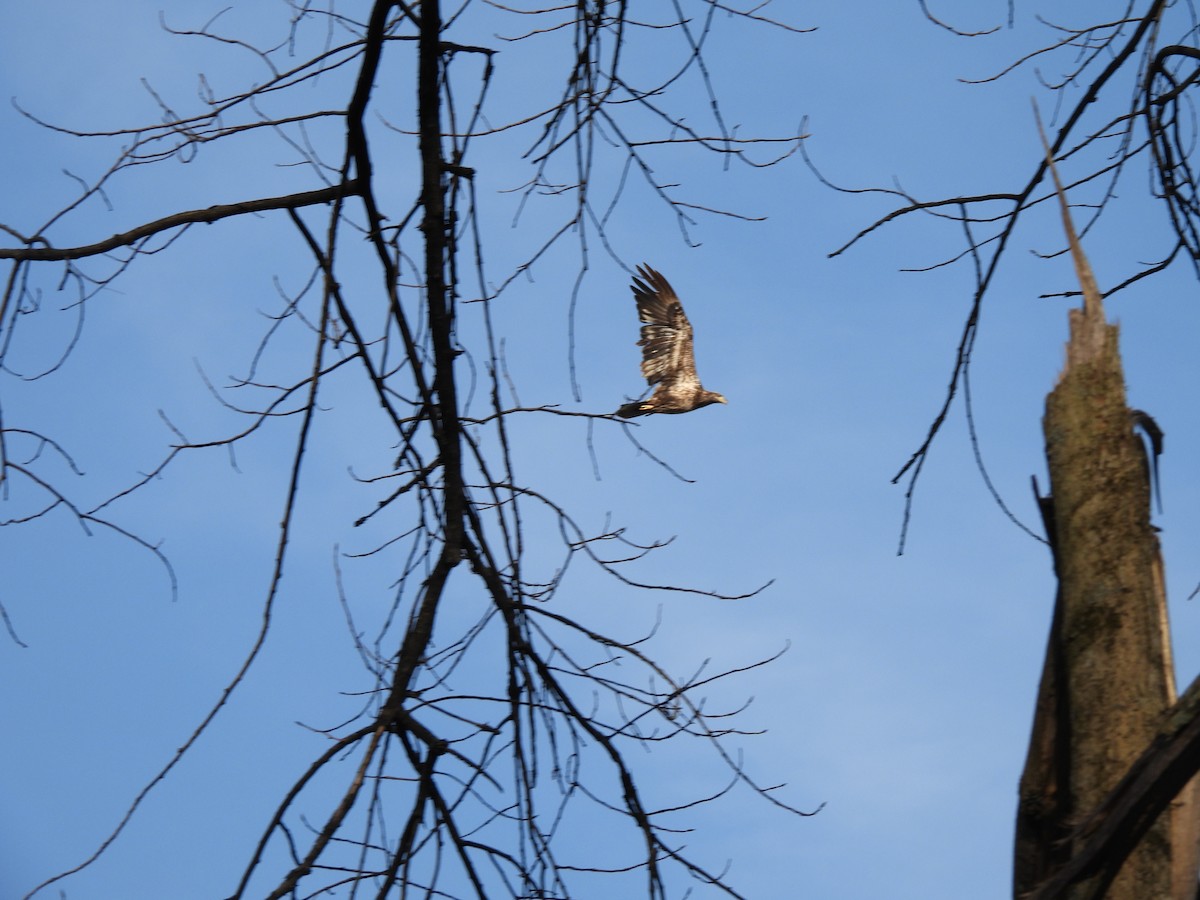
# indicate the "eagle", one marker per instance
pixel 667 356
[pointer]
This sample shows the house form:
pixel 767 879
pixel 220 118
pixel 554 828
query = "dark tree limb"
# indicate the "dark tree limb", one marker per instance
pixel 130 239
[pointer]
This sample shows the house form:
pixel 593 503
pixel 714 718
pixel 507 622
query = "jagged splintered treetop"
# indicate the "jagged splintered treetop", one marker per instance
pixel 1088 333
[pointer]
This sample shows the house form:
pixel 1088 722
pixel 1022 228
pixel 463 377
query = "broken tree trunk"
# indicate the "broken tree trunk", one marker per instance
pixel 1108 677
pixel 1158 780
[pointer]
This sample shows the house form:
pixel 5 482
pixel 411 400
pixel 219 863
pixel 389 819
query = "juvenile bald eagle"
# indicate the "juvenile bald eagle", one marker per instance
pixel 667 356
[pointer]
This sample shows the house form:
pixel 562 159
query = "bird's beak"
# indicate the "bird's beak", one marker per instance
pixel 721 398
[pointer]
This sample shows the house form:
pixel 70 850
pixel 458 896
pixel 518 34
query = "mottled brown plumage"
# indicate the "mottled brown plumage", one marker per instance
pixel 668 359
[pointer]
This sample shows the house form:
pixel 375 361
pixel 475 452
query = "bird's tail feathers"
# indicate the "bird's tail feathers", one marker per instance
pixel 629 410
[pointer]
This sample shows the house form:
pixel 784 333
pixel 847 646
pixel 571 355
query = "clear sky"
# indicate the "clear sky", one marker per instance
pixel 905 696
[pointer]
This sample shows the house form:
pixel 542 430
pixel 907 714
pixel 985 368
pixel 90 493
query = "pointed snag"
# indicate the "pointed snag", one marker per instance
pixel 1088 331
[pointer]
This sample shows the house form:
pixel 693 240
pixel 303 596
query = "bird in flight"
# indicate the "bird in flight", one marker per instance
pixel 668 359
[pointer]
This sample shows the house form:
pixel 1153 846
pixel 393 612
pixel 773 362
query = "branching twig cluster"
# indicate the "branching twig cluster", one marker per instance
pixel 480 745
pixel 1119 96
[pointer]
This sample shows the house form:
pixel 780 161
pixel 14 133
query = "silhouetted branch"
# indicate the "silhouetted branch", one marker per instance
pixel 133 237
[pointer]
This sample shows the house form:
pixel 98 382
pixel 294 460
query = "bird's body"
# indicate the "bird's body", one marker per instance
pixel 668 358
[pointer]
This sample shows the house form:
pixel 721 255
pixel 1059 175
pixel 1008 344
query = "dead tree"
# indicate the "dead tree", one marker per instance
pixel 1108 678
pixel 460 767
pixel 1111 749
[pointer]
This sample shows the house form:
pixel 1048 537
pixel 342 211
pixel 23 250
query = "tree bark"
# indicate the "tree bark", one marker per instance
pixel 1115 649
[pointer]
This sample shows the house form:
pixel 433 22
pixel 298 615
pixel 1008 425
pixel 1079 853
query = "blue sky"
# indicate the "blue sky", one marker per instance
pixel 905 697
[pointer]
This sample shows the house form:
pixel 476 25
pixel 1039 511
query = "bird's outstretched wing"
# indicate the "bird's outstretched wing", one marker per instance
pixel 668 358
